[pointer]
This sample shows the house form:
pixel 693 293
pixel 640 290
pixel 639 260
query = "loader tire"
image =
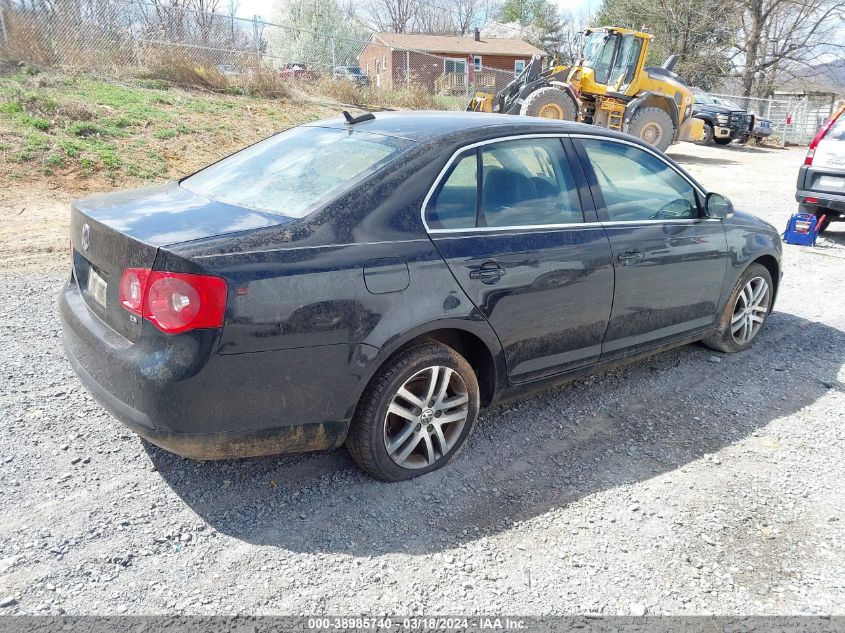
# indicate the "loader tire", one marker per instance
pixel 654 126
pixel 550 103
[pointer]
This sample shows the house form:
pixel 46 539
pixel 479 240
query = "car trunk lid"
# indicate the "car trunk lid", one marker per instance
pixel 112 232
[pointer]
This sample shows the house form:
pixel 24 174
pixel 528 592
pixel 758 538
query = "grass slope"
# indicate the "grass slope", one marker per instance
pixel 81 134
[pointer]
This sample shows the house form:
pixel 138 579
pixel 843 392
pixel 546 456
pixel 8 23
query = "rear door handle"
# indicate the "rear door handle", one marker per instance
pixel 488 273
pixel 630 256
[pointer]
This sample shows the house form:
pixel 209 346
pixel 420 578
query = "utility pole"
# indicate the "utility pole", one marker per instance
pixel 3 27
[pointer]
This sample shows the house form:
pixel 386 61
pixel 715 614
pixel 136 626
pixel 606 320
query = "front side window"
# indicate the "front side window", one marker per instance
pixel 625 65
pixel 525 182
pixel 294 172
pixel 636 185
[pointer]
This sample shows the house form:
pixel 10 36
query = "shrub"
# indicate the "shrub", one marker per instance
pixel 264 83
pixel 174 66
pixel 85 129
pixel 37 122
pixel 11 107
pixel 154 84
pixel 74 112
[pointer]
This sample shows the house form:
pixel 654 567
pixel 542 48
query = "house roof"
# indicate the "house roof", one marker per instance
pixel 456 44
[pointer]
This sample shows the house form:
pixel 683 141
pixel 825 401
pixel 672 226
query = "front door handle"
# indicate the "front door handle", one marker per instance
pixel 631 256
pixel 488 273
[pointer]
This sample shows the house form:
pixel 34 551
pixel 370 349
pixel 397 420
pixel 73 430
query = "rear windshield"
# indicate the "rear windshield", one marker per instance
pixel 296 171
pixel 837 130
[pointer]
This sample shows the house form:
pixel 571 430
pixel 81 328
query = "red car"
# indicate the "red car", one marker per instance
pixel 297 70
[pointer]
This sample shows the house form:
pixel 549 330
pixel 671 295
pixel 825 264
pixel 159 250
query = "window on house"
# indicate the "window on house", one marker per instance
pixel 518 66
pixel 476 62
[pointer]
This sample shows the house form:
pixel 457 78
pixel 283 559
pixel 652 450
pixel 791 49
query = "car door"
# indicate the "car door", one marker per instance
pixel 669 259
pixel 507 218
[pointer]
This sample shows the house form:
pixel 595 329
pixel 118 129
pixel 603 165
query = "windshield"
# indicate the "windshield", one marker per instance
pixel 295 171
pixel 598 54
pixel 354 70
pixel 704 98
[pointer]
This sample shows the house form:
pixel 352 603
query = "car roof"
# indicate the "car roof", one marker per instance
pixel 424 126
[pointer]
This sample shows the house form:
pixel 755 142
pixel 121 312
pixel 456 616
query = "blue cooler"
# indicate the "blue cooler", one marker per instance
pixel 802 229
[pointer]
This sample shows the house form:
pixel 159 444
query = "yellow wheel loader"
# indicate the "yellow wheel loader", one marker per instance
pixel 610 87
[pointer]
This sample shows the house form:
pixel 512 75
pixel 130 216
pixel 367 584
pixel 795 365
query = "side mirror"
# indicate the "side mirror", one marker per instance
pixel 718 206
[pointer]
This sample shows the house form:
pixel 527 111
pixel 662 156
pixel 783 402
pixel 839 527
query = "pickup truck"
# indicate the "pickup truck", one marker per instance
pixel 723 121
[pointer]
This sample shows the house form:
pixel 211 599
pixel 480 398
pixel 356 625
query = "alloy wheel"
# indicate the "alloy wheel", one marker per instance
pixel 426 417
pixel 750 310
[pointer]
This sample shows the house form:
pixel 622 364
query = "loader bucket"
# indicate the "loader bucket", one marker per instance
pixel 481 102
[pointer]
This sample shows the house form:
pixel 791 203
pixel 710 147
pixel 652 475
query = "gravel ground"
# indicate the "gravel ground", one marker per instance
pixel 689 483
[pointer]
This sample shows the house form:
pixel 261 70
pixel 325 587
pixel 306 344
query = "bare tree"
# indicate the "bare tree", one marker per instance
pixel 466 13
pixel 395 16
pixel 781 38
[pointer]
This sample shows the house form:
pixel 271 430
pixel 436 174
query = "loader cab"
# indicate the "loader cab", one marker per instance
pixel 613 59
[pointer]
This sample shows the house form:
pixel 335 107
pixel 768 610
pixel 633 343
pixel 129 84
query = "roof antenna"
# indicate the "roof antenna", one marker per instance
pixel 352 120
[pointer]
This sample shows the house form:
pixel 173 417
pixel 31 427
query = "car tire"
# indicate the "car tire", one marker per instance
pixel 744 309
pixel 395 447
pixel 550 103
pixel 654 126
pixel 722 141
pixel 708 135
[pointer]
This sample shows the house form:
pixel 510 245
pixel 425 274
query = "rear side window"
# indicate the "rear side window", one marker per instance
pixel 453 205
pixel 525 182
pixel 294 172
pixel 636 185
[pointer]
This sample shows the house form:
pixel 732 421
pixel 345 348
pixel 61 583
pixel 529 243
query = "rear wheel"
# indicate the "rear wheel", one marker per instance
pixel 654 126
pixel 722 141
pixel 745 312
pixel 416 413
pixel 550 103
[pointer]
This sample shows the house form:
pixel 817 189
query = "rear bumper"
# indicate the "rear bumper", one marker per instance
pixel 180 395
pixel 828 201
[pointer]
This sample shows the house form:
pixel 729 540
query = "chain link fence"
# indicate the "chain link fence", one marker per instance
pixel 116 36
pixel 794 117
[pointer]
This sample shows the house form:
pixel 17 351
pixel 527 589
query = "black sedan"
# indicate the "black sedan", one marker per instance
pixel 377 281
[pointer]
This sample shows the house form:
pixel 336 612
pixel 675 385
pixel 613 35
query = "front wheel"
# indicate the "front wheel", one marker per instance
pixel 550 103
pixel 708 135
pixel 415 414
pixel 722 141
pixel 745 311
pixel 654 126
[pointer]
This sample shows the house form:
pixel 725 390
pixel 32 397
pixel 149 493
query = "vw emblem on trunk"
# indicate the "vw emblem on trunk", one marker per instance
pixel 86 237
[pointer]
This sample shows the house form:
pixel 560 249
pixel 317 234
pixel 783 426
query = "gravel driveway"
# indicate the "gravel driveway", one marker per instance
pixel 689 483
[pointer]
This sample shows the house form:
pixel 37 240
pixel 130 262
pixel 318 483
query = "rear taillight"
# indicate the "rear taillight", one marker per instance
pixel 174 302
pixel 133 283
pixel 808 159
pixel 819 136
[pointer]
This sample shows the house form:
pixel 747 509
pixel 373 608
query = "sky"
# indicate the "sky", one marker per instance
pixel 264 8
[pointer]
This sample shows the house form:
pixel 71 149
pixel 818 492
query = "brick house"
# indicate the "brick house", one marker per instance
pixel 445 64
